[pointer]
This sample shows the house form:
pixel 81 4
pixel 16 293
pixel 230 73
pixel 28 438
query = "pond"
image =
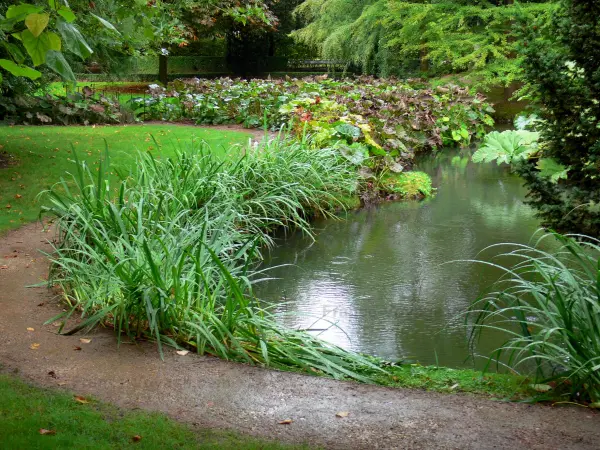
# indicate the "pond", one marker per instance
pixel 379 274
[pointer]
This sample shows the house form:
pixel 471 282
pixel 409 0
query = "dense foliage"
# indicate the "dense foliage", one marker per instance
pixel 562 68
pixel 85 108
pixel 35 34
pixel 168 253
pixel 391 37
pixel 384 119
pixel 547 304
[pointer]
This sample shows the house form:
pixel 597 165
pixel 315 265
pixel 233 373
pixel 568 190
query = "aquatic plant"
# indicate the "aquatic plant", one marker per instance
pixel 548 304
pixel 169 252
pixel 407 184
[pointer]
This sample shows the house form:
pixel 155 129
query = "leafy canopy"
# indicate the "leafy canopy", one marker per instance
pixel 390 37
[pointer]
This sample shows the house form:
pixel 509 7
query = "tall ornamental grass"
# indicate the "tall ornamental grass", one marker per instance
pixel 170 251
pixel 548 304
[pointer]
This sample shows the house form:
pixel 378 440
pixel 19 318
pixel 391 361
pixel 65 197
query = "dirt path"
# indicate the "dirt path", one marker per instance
pixel 210 392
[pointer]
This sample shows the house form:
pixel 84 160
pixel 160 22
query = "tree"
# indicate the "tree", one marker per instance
pixel 562 67
pixel 391 37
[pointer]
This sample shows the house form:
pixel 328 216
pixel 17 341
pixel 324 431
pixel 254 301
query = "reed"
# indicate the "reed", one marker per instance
pixel 170 252
pixel 548 304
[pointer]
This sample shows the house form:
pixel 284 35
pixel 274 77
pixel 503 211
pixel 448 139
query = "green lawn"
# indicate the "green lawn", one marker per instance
pixel 25 410
pixel 43 154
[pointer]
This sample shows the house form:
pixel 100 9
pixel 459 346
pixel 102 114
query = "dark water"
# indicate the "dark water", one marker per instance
pixel 378 274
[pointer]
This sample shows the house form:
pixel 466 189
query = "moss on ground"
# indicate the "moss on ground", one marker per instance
pixel 408 185
pixel 446 380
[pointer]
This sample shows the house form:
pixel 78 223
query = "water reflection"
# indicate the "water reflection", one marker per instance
pixel 379 274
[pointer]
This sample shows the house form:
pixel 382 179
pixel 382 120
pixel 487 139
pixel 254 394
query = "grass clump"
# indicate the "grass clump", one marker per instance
pixel 25 410
pixel 447 380
pixel 40 155
pixel 170 251
pixel 548 304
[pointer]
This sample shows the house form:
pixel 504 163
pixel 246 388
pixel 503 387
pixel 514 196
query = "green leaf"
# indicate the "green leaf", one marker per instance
pixel 506 147
pixel 355 153
pixel 19 70
pixel 73 40
pixel 106 23
pixel 15 52
pixel 456 135
pixel 37 23
pixel 549 168
pixel 57 62
pixel 66 14
pixel 348 131
pixel 37 47
pixel 22 10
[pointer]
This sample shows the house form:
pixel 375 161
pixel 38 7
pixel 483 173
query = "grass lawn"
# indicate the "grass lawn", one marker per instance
pixel 25 410
pixel 42 155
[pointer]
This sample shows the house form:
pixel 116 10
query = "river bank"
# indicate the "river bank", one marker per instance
pixel 219 394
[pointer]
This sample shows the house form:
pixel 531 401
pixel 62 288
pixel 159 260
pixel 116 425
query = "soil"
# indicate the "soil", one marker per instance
pixel 208 392
pixel 6 159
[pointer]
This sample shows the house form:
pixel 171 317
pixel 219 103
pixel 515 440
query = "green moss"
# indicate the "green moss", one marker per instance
pixel 25 409
pixel 446 380
pixel 408 185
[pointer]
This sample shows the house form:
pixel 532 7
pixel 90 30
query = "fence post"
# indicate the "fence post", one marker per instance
pixel 162 69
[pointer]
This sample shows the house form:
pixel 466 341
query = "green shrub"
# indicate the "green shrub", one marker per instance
pixel 84 108
pixel 561 65
pixel 548 304
pixel 170 252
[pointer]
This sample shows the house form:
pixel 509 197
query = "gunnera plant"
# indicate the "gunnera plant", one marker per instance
pixel 548 304
pixel 170 251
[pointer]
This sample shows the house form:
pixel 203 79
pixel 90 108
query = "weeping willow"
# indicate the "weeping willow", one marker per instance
pixel 392 37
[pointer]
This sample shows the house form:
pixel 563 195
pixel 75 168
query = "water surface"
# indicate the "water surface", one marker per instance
pixel 379 273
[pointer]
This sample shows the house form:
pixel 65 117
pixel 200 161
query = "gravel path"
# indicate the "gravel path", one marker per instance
pixel 209 392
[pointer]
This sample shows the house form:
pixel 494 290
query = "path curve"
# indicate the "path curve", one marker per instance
pixel 210 392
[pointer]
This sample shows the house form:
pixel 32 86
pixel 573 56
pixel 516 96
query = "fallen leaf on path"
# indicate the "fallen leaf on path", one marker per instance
pixel 285 422
pixel 182 352
pixel 62 383
pixel 80 399
pixel 342 414
pixel 85 341
pixel 30 329
pixel 43 431
pixel 3 267
pixel 136 438
pixel 210 404
pixel 77 348
pixel 52 373
pixel 34 346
